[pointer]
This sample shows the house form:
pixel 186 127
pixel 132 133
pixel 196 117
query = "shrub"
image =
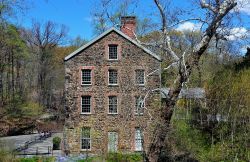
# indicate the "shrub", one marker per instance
pixel 119 157
pixel 37 159
pixel 56 143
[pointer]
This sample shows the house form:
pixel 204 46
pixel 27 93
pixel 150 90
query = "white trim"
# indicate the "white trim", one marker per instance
pixel 117 55
pixel 144 79
pixel 116 105
pixel 113 84
pixel 138 130
pixel 105 33
pixel 115 142
pixel 140 107
pixel 86 113
pixel 90 78
pixel 90 143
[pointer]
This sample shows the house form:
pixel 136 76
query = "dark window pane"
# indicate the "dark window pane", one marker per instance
pixel 139 105
pixel 112 104
pixel 86 104
pixel 86 76
pixel 86 140
pixel 113 52
pixel 113 76
pixel 139 77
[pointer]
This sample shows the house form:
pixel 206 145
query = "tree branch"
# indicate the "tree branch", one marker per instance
pixel 208 6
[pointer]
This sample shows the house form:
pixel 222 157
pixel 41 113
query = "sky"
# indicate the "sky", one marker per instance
pixel 76 15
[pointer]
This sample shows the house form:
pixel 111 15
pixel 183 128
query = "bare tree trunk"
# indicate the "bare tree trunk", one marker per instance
pixel 18 85
pixel 12 74
pixel 220 10
pixel 160 134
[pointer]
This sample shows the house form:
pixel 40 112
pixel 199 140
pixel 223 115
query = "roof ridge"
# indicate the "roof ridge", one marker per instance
pixel 105 33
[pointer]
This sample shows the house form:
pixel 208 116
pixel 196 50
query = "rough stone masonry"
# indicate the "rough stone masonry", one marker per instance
pixel 131 57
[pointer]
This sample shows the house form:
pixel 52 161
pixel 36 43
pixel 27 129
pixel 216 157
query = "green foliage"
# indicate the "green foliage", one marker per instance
pixel 245 63
pixel 119 157
pixel 228 93
pixel 56 143
pixel 91 159
pixel 19 108
pixel 37 159
pixel 6 156
pixel 31 109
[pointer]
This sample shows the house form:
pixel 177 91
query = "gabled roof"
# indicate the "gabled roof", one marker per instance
pixel 104 34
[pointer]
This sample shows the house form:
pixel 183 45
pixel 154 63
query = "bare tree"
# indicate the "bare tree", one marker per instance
pixel 43 39
pixel 218 9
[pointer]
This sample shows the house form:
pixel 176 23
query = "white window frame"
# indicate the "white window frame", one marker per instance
pixel 90 105
pixel 144 78
pixel 138 137
pixel 89 138
pixel 141 104
pixel 116 105
pixel 90 77
pixel 117 55
pixel 114 84
pixel 115 142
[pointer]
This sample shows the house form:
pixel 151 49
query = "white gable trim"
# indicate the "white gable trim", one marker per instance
pixel 105 33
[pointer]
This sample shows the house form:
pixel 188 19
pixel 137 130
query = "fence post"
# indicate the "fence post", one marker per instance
pixel 36 150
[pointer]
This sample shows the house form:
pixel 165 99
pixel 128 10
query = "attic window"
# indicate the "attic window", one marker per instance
pixel 113 52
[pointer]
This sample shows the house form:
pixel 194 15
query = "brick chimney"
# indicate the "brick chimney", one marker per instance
pixel 128 25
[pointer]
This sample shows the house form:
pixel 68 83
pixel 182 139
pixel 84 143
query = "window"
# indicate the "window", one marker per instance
pixel 113 52
pixel 85 139
pixel 112 104
pixel 139 77
pixel 113 77
pixel 138 139
pixel 86 104
pixel 86 77
pixel 112 141
pixel 139 105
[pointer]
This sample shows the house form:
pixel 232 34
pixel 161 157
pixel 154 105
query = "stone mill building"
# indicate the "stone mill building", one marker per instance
pixel 110 95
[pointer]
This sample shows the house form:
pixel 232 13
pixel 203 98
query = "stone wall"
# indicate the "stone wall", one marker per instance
pixel 131 58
